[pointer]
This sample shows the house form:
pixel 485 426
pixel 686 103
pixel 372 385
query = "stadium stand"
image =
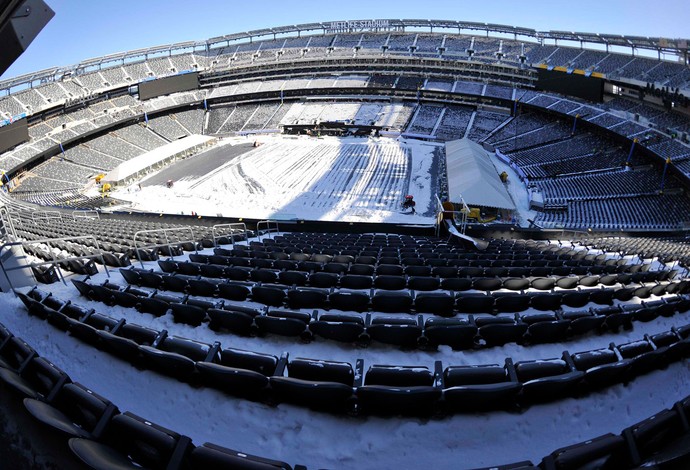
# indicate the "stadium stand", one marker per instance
pixel 392 309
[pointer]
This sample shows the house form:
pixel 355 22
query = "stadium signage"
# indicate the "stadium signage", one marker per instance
pixel 357 25
pixel 667 94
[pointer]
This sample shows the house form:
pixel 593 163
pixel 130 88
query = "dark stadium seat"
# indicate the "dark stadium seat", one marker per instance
pixel 283 323
pixel 456 333
pixel 474 303
pixel 269 295
pixel 356 281
pixel 131 276
pixel 391 302
pixel 511 303
pixel 238 372
pixel 153 306
pixel 403 332
pixel 516 284
pixel 174 282
pixel 649 439
pixel 85 328
pixel 132 441
pixel 234 290
pixel 576 299
pixel 188 314
pixel 307 297
pixel 544 380
pixel 174 356
pixel 441 304
pixel 349 300
pixel 75 411
pixel 338 327
pixel 456 284
pixel 501 332
pixel 422 283
pixel 390 282
pixel 592 453
pixel 323 279
pixel 398 390
pixel 293 278
pixel 316 384
pixel 543 283
pixel 547 331
pixel 643 356
pixel 213 456
pixel 473 388
pixel 203 287
pixel 235 318
pixel 602 367
pixel 35 378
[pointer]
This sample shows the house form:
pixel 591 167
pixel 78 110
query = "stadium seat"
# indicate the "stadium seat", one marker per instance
pixel 188 314
pixel 398 390
pixel 213 456
pixel 391 302
pixel 403 332
pixel 238 372
pixel 474 388
pixel 437 303
pixel 269 295
pixel 234 318
pixel 75 411
pixel 456 333
pixel 597 452
pixel 349 301
pixel 545 380
pixel 338 327
pixel 501 332
pixel 132 441
pixel 316 384
pixel 307 297
pixel 35 378
pixel 283 323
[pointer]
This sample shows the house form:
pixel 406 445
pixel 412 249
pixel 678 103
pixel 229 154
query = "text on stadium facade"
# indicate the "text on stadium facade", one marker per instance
pixel 358 25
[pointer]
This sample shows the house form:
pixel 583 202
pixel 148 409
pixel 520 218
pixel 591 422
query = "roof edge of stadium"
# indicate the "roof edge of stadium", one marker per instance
pixel 676 46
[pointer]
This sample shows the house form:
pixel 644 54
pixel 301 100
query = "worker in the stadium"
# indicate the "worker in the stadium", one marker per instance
pixel 409 203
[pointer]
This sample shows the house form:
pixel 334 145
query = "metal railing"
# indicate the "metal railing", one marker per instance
pixel 85 214
pixel 169 240
pixel 223 230
pixel 45 215
pixel 269 230
pixel 8 230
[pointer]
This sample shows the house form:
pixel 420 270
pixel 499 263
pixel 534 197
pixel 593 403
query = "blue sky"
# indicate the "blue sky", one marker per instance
pixel 82 29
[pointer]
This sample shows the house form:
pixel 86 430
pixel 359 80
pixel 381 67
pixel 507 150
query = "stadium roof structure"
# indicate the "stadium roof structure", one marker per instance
pixel 472 177
pixel 677 47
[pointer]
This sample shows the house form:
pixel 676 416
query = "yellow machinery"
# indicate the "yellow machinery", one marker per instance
pixel 475 213
pixel 106 187
pixel 99 177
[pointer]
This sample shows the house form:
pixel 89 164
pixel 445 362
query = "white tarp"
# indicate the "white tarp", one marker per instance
pixel 472 176
pixel 131 167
